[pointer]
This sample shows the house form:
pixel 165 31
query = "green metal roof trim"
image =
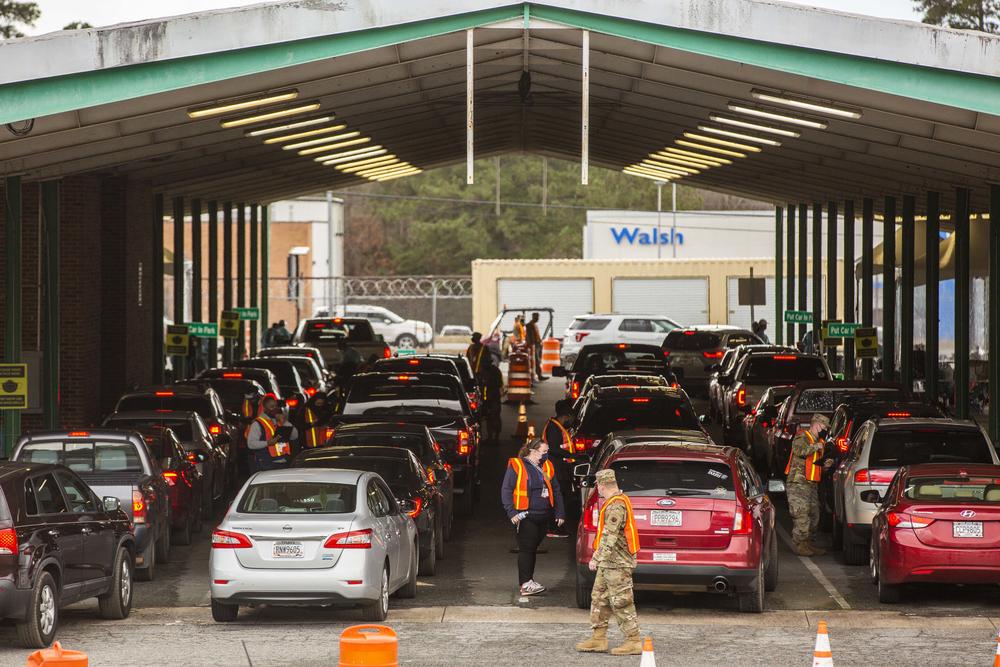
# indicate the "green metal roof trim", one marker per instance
pixel 44 97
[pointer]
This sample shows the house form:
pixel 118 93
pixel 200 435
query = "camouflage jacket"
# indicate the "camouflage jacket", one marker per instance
pixel 612 552
pixel 802 448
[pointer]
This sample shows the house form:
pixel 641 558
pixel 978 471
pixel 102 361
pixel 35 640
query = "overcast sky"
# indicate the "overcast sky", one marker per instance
pixel 57 13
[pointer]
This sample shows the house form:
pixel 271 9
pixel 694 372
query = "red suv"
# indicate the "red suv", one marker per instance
pixel 705 522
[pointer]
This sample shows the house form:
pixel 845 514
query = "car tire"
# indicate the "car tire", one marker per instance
pixel 752 602
pixel 184 532
pixel 163 544
pixel 872 564
pixel 584 586
pixel 116 604
pixel 440 537
pixel 148 573
pixel 771 572
pixel 409 589
pixel 449 523
pixel 889 593
pixel 466 501
pixel 837 533
pixel 428 559
pixel 855 550
pixel 407 341
pixel 377 610
pixel 42 616
pixel 224 613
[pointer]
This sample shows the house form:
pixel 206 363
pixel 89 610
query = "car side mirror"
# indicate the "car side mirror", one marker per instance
pixel 581 470
pixel 715 368
pixel 703 419
pixel 407 506
pixel 872 496
pixel 112 504
pixel 559 371
pixel 775 486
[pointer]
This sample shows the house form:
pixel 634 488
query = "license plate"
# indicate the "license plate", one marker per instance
pixel 967 529
pixel 287 550
pixel 662 557
pixel 668 518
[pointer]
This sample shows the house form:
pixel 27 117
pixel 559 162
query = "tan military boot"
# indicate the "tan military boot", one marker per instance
pixel 631 646
pixel 816 549
pixel 598 642
pixel 803 549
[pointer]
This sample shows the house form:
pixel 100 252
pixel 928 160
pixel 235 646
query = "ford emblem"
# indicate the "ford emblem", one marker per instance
pixel 287 528
pixel 665 502
pixel 968 514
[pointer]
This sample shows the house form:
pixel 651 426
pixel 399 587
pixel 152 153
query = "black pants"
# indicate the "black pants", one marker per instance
pixel 530 532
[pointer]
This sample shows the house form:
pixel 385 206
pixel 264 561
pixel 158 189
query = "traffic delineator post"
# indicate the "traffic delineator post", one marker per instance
pixel 822 656
pixel 57 655
pixel 531 432
pixel 522 422
pixel 369 646
pixel 996 659
pixel 648 657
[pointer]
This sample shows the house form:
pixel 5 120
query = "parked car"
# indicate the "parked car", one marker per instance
pixel 693 352
pixel 323 537
pixel 758 423
pixel 331 336
pixel 59 544
pixel 115 464
pixel 703 518
pixel 312 376
pixel 937 523
pixel 298 351
pixel 456 330
pixel 183 481
pixel 293 390
pixel 396 330
pixel 240 397
pixel 881 448
pixel 433 364
pixel 722 377
pixel 612 359
pixel 613 328
pixel 408 481
pixel 625 380
pixel 465 372
pixel 262 376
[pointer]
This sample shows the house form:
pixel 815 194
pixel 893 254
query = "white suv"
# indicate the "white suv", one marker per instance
pixel 598 328
pixel 393 328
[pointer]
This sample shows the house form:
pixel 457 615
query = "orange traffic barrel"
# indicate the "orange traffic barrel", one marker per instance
pixel 57 655
pixel 369 646
pixel 518 377
pixel 550 354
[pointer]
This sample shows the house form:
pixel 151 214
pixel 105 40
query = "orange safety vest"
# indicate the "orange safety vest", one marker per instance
pixel 520 335
pixel 313 430
pixel 247 409
pixel 521 485
pixel 279 449
pixel 631 532
pixel 477 362
pixel 813 468
pixel 567 442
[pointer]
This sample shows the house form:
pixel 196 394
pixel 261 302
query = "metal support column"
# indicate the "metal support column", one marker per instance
pixel 817 272
pixel 994 310
pixel 196 287
pixel 850 314
pixel 227 273
pixel 831 274
pixel 803 265
pixel 932 308
pixel 867 273
pixel 156 302
pixel 790 278
pixel 12 305
pixel 779 272
pixel 962 280
pixel 889 290
pixel 213 279
pixel 254 284
pixel 265 268
pixel 907 261
pixel 241 273
pixel 50 309
pixel 180 365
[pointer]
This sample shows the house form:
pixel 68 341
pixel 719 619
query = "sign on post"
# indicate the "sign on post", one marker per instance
pixel 13 386
pixel 843 329
pixel 865 342
pixel 829 339
pixel 203 329
pixel 229 324
pixel 177 341
pixel 251 314
pixel 798 316
pixel 752 291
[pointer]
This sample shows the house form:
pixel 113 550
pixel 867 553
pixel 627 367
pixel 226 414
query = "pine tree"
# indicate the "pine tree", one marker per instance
pixel 981 15
pixel 14 13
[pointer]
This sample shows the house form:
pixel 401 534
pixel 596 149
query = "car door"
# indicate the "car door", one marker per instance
pixel 381 529
pixel 93 523
pixel 398 549
pixel 64 530
pixel 631 330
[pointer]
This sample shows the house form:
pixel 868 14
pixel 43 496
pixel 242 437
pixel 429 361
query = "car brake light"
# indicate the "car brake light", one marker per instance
pixel 903 520
pixel 581 336
pixel 413 362
pixel 591 515
pixel 138 507
pixel 447 466
pixel 338 320
pixel 582 444
pixel 784 357
pixel 215 429
pixel 233 375
pixel 8 542
pixel 418 505
pixel 574 391
pixel 386 352
pixel 622 346
pixel 899 415
pixel 742 522
pixel 403 378
pixel 717 354
pixel 431 477
pixel 330 432
pixel 224 539
pixel 741 397
pixel 866 476
pixel 79 434
pixel 310 391
pixel 463 443
pixel 842 444
pixel 164 393
pixel 170 477
pixel 640 400
pixel 473 405
pixel 689 333
pixel 666 353
pixel 355 539
pixel 292 402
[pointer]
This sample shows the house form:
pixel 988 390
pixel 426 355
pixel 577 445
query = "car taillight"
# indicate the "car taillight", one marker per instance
pixel 431 477
pixel 310 391
pixel 473 405
pixel 866 476
pixel 581 444
pixel 355 539
pixel 170 477
pixel 164 393
pixel 8 542
pixel 79 434
pixel 138 507
pixel 292 402
pixel 386 352
pixel 591 515
pixel 463 442
pixel 330 432
pixel 232 375
pixel 898 415
pixel 742 522
pixel 741 397
pixel 640 400
pixel 215 429
pixel 581 335
pixel 903 520
pixel 418 505
pixel 666 353
pixel 447 466
pixel 574 391
pixel 842 444
pixel 224 539
pixel 717 354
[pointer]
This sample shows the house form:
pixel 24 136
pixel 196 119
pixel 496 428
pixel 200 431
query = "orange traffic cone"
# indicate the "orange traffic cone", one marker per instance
pixel 996 660
pixel 531 432
pixel 822 657
pixel 648 657
pixel 522 422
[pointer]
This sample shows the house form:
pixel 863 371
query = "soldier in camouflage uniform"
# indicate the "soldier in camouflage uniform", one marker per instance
pixel 614 561
pixel 803 474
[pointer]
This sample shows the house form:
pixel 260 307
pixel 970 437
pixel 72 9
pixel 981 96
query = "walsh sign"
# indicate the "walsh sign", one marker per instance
pixel 635 236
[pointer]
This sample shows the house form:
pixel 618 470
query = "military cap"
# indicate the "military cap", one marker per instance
pixel 606 477
pixel 821 419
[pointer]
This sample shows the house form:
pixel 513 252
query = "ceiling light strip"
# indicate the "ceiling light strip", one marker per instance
pixel 725 120
pixel 384 169
pixel 399 175
pixel 284 127
pixel 302 135
pixel 779 117
pixel 269 115
pixel 321 140
pixel 668 167
pixel 340 144
pixel 683 161
pixel 358 165
pixel 241 103
pixel 722 142
pixel 808 105
pixel 738 135
pixel 711 149
pixel 719 161
pixel 347 156
pixel 633 172
pixel 657 172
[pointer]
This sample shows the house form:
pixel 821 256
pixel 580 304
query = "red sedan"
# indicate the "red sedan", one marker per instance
pixel 938 523
pixel 704 520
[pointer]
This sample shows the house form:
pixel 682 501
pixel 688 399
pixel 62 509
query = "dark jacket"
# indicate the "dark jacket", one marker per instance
pixel 538 507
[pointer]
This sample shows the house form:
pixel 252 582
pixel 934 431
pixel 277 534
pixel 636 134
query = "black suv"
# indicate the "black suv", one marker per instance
pixel 59 544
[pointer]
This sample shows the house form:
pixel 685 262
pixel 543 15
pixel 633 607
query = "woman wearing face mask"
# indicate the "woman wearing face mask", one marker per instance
pixel 531 497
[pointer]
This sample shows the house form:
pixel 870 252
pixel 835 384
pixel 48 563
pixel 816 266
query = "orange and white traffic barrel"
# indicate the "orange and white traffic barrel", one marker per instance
pixel 518 378
pixel 550 355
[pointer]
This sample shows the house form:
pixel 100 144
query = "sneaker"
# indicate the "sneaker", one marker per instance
pixel 531 588
pixel 557 533
pixel 538 586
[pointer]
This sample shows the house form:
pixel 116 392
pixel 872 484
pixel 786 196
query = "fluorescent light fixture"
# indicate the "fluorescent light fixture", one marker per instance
pixel 808 105
pixel 347 156
pixel 676 159
pixel 264 116
pixel 339 144
pixel 631 171
pixel 241 103
pixel 389 177
pixel 382 161
pixel 657 172
pixel 301 135
pixel 710 149
pixel 668 167
pixel 389 172
pixel 285 127
pixel 384 169
pixel 738 135
pixel 321 140
pixel 755 126
pixel 721 142
pixel 779 117
pixel 700 156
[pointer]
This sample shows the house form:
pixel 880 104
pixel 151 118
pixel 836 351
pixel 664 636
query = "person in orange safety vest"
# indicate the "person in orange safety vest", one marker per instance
pixel 802 476
pixel 269 438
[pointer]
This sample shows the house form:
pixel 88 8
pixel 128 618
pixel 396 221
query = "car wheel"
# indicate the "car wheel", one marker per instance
pixel 224 613
pixel 449 522
pixel 116 604
pixel 752 602
pixel 184 532
pixel 465 501
pixel 771 572
pixel 889 593
pixel 855 549
pixel 163 544
pixel 872 564
pixel 376 610
pixel 148 572
pixel 407 341
pixel 207 489
pixel 428 559
pixel 42 618
pixel 409 589
pixel 583 588
pixel 439 536
pixel 837 533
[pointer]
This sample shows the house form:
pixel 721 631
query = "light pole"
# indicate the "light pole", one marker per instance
pixel 673 231
pixel 659 216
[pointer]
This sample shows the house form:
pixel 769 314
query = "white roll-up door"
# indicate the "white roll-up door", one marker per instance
pixel 568 297
pixel 684 300
pixel 740 315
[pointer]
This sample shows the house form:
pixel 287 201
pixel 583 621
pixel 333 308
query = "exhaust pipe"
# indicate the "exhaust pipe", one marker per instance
pixel 720 584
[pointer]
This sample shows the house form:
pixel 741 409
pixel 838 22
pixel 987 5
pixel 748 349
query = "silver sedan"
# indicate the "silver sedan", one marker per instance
pixel 304 537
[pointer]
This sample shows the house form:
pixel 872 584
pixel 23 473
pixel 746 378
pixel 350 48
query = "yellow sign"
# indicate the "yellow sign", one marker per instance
pixel 229 324
pixel 13 386
pixel 865 342
pixel 177 340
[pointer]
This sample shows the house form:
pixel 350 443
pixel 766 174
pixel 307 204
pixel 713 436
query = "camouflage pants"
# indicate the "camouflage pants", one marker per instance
pixel 612 594
pixel 803 503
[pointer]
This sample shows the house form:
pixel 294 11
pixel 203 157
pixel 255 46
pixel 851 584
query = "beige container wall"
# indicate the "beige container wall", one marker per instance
pixel 486 273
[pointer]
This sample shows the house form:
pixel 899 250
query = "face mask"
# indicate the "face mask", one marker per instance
pixel 544 458
pixel 824 433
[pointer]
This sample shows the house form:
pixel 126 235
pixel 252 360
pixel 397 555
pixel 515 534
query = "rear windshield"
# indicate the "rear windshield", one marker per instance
pixel 329 331
pixel 892 448
pixel 199 404
pixel 373 396
pixel 180 427
pixel 616 414
pixel 692 340
pixel 826 400
pixel 411 365
pixel 232 392
pixel 784 369
pixel 299 498
pixel 959 489
pixel 617 360
pixel 643 478
pixel 589 324
pixel 305 367
pixel 396 473
pixel 85 456
pixel 283 370
pixel 415 443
